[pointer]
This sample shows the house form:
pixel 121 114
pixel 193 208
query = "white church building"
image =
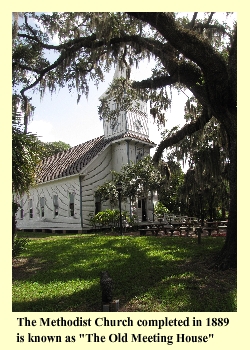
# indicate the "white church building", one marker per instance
pixel 64 197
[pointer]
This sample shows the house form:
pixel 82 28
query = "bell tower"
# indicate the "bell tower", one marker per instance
pixel 133 121
pixel 130 141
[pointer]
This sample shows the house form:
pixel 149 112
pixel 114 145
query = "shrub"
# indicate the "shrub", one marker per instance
pixel 160 209
pixel 108 217
pixel 20 244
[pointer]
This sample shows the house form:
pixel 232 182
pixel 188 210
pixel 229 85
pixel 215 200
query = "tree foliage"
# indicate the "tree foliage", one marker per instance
pixel 171 196
pixel 89 43
pixel 138 180
pixel 26 155
pixel 160 209
pixel 207 154
pixel 51 148
pixel 108 218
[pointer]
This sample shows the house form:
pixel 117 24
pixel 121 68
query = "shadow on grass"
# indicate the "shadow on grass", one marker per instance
pixel 150 274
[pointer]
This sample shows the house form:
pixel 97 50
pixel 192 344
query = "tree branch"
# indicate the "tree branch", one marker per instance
pixel 191 24
pixel 25 67
pixel 183 73
pixel 77 42
pixel 30 29
pixel 187 129
pixel 188 42
pixel 210 17
pixel 155 83
pixel 180 71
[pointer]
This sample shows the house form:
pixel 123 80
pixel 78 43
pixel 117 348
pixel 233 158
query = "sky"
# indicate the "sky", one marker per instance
pixel 60 118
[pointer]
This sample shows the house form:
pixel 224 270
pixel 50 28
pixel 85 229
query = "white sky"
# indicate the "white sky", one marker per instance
pixel 60 118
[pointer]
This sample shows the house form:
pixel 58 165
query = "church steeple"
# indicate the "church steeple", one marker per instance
pixel 134 120
pixel 120 72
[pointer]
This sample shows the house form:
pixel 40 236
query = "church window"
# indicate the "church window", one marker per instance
pixel 71 204
pixel 21 209
pixel 31 208
pixel 139 154
pixel 56 206
pixel 98 204
pixel 42 205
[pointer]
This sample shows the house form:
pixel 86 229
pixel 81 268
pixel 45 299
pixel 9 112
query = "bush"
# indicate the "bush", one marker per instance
pixel 20 244
pixel 108 218
pixel 160 209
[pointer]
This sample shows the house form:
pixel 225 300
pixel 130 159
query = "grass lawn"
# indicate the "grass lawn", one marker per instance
pixel 167 274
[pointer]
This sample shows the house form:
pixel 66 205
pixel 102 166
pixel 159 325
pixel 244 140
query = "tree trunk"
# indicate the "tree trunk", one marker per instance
pixel 223 210
pixel 228 255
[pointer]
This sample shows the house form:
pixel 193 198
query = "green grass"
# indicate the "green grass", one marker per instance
pixel 167 274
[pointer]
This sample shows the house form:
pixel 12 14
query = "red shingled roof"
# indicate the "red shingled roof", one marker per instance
pixel 72 161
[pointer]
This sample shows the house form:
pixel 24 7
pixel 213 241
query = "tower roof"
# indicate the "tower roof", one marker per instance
pixel 120 72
